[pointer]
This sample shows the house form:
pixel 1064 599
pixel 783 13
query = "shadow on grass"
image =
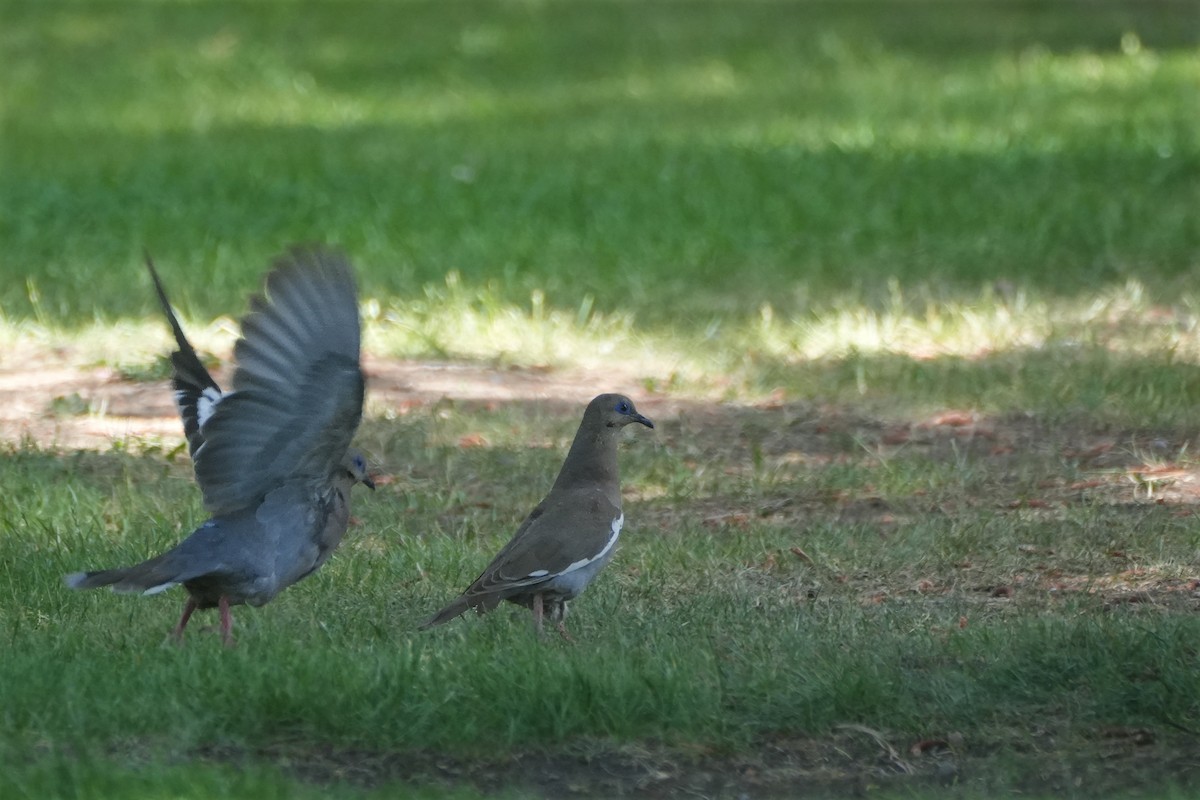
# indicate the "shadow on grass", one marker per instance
pixel 673 232
pixel 670 159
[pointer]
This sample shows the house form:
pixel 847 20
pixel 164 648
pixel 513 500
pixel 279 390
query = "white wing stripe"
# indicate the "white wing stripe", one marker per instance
pixel 583 562
pixel 206 404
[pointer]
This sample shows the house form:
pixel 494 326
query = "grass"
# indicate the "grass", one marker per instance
pixel 708 629
pixel 908 286
pixel 716 154
pixel 99 778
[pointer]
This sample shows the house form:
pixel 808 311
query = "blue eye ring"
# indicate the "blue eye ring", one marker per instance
pixel 622 407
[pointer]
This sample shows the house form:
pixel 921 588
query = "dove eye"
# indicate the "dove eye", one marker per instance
pixel 622 407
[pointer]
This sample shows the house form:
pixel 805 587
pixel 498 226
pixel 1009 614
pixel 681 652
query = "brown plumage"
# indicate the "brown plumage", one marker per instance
pixel 569 537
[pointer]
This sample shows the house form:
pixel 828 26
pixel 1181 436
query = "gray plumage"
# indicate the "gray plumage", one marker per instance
pixel 272 456
pixel 570 536
pixel 196 393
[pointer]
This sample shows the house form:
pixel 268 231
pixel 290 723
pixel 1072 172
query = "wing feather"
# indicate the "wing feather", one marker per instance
pixel 554 537
pixel 194 387
pixel 255 441
pixel 298 387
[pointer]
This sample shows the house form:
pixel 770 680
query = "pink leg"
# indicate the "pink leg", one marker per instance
pixel 226 621
pixel 188 608
pixel 537 613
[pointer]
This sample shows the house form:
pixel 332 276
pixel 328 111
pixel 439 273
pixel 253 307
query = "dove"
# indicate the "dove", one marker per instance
pixel 569 537
pixel 272 455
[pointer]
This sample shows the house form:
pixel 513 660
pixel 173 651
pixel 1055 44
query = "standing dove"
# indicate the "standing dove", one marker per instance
pixel 271 456
pixel 569 537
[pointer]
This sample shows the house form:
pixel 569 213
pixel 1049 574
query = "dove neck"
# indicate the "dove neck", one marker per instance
pixel 592 460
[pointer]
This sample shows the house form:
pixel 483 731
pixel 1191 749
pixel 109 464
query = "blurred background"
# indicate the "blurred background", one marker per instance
pixel 680 161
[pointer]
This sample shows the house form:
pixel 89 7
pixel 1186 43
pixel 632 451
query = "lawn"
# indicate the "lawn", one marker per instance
pixel 907 286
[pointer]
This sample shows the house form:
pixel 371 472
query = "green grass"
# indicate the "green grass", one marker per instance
pixel 674 159
pixel 804 229
pixel 706 630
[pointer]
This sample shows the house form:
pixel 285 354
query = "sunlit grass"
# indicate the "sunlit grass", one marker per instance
pixel 1120 318
pixel 740 359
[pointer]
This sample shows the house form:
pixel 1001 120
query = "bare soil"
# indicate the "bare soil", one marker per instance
pixel 47 399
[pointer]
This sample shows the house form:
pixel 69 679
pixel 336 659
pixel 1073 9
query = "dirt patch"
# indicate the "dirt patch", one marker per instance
pixel 47 400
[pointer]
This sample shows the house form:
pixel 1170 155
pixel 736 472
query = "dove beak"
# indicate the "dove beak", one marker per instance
pixel 368 482
pixel 644 420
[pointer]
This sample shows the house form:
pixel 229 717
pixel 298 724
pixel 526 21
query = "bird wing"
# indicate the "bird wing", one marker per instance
pixel 565 532
pixel 298 389
pixel 196 393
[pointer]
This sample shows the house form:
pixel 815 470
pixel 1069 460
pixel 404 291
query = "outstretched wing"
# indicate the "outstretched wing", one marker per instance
pixel 196 393
pixel 298 389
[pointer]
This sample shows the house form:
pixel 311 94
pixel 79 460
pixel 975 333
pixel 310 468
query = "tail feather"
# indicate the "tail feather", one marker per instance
pixel 83 580
pixel 457 607
pixel 482 603
pixel 149 577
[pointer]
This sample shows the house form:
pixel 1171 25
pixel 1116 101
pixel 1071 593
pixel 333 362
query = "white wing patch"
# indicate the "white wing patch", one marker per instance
pixel 206 404
pixel 583 562
pixel 538 573
pixel 162 587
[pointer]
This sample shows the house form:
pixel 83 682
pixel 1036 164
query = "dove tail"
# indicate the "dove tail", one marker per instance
pixel 85 580
pixel 460 605
pixel 94 580
pixel 482 603
pixel 146 578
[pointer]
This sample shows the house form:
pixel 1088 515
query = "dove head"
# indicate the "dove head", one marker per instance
pixel 617 411
pixel 355 469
